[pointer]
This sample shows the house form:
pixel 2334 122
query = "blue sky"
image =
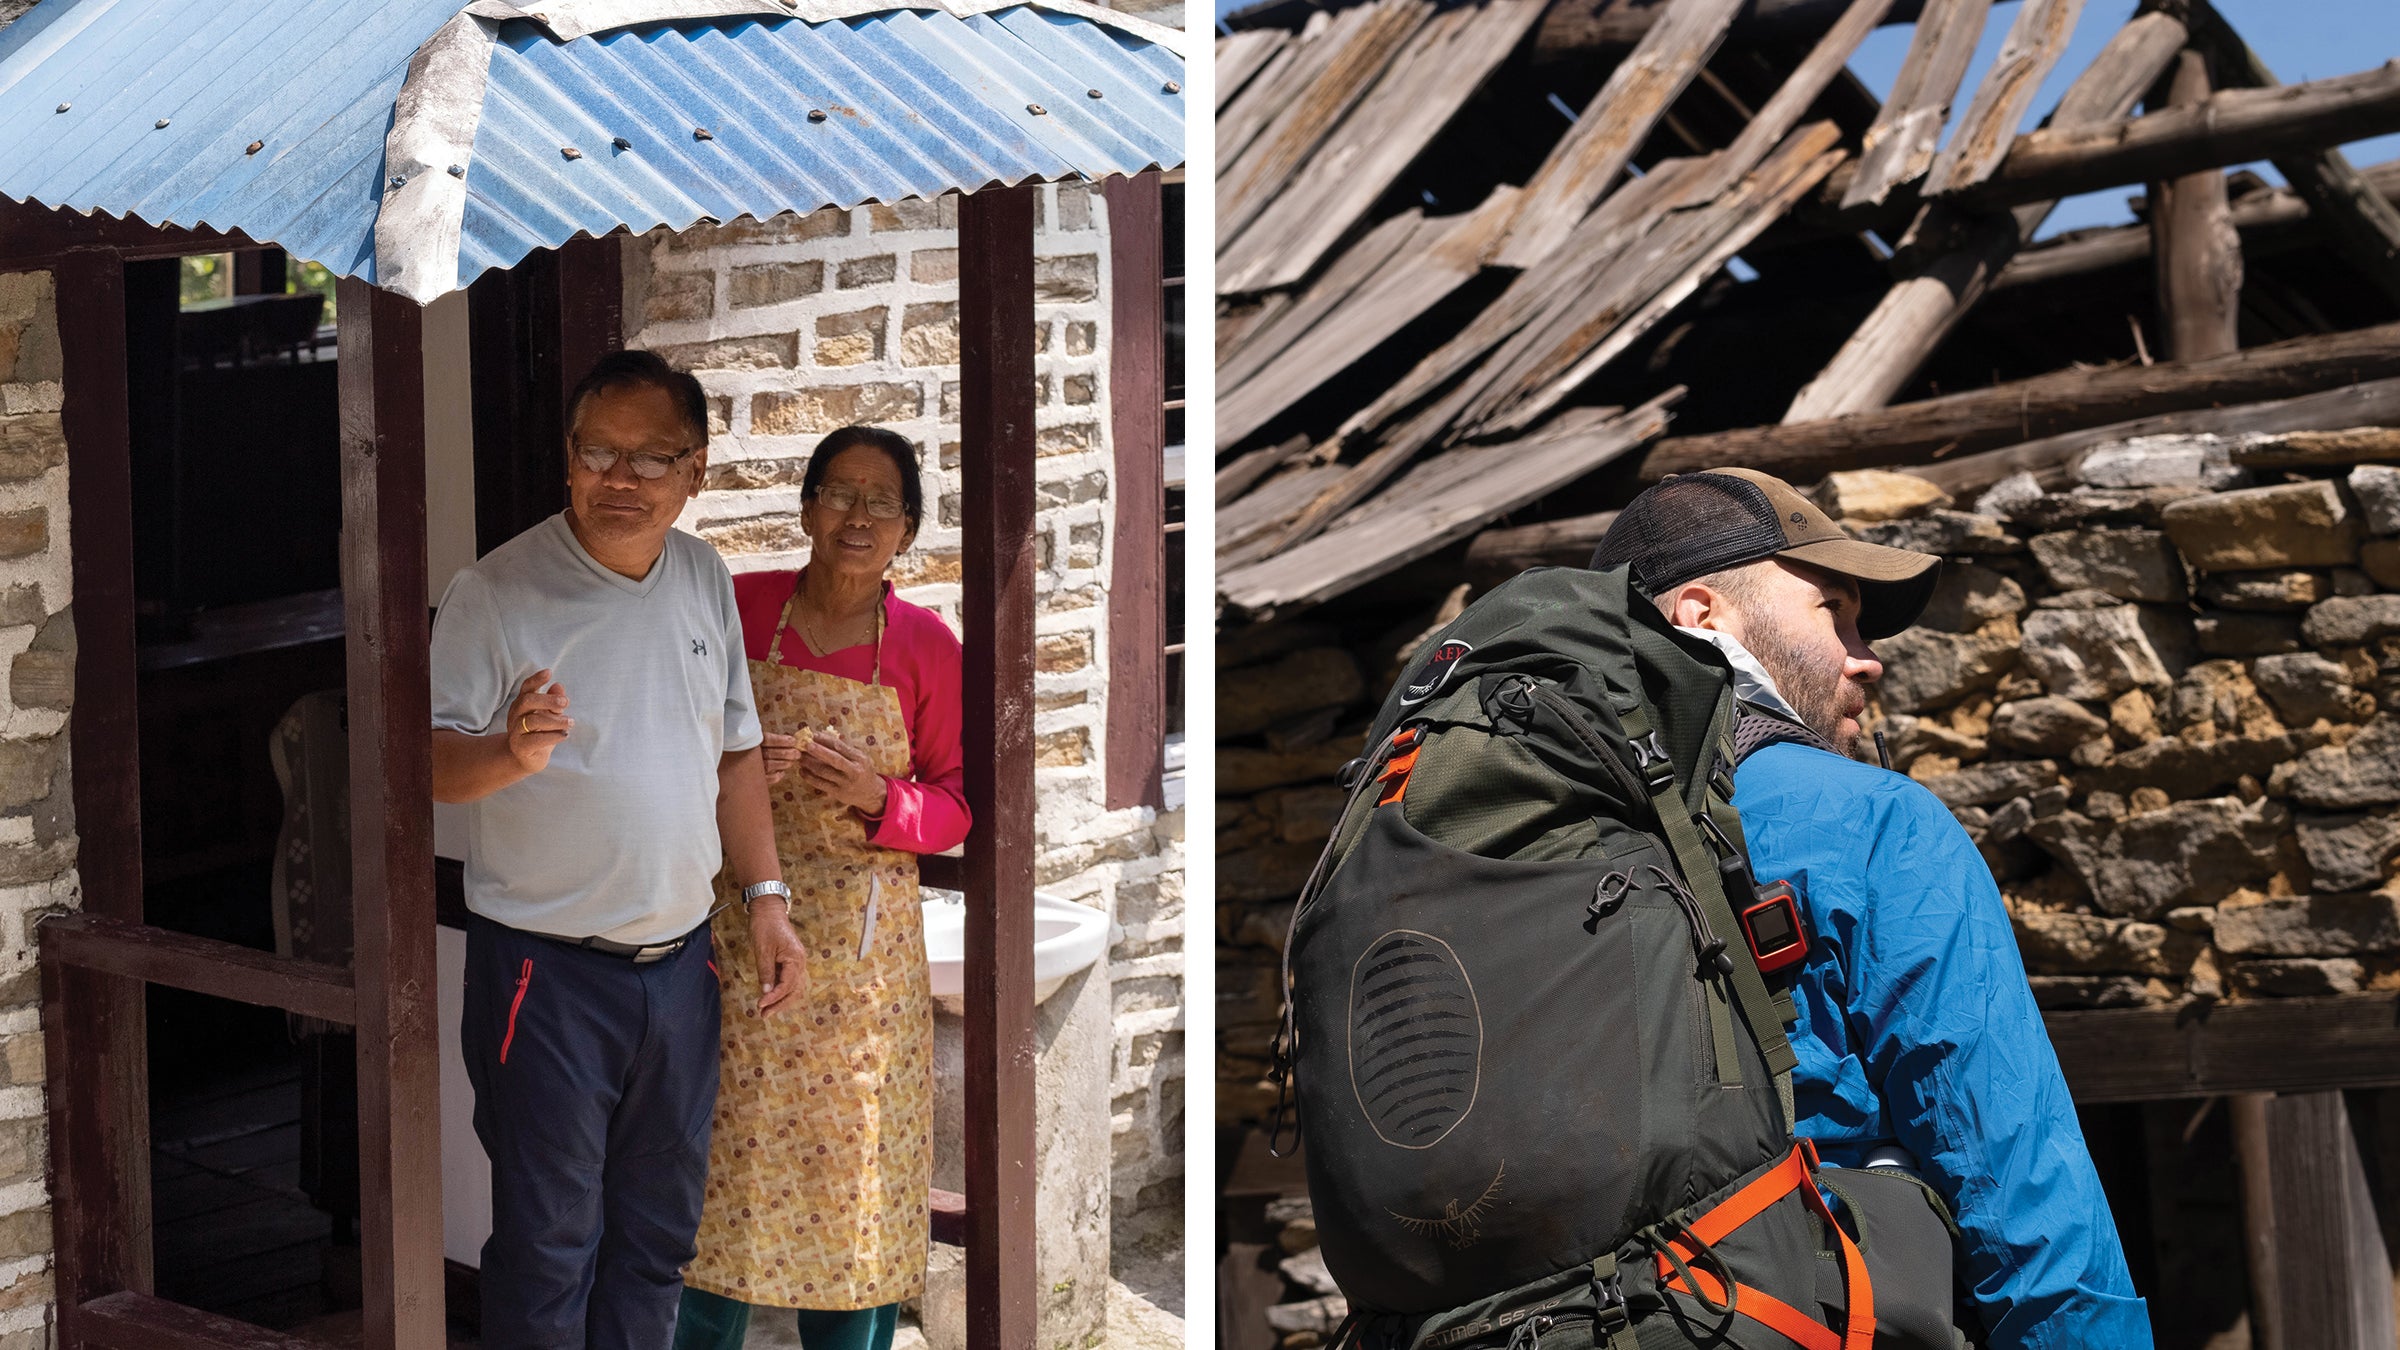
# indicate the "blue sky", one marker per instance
pixel 2298 39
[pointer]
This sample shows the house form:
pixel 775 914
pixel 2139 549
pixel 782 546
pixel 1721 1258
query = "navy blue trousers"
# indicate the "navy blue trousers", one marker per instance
pixel 595 1082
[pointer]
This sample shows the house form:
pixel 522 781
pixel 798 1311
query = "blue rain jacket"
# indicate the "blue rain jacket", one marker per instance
pixel 1917 1028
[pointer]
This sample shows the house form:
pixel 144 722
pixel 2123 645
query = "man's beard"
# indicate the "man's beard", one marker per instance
pixel 1814 689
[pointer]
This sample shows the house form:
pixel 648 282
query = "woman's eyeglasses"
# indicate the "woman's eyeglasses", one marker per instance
pixel 646 463
pixel 841 497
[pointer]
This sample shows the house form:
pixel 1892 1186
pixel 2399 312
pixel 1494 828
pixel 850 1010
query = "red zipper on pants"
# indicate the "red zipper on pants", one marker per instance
pixel 524 977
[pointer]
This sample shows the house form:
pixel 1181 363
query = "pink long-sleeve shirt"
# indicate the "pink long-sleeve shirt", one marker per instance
pixel 925 812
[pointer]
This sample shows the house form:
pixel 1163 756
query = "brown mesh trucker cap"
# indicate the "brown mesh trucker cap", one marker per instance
pixel 1689 525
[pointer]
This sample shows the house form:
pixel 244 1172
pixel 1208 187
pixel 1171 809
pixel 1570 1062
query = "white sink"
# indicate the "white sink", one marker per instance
pixel 1067 937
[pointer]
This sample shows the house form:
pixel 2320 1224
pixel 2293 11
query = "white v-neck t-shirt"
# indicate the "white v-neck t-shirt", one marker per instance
pixel 617 838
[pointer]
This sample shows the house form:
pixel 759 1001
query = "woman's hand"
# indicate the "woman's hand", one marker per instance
pixel 841 771
pixel 780 753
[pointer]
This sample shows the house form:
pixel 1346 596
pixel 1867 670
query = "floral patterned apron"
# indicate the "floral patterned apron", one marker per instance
pixel 822 1156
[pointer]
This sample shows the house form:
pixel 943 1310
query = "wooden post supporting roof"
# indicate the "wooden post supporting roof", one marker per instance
pixel 2319 1272
pixel 591 306
pixel 99 1118
pixel 1137 400
pixel 2357 220
pixel 996 393
pixel 391 814
pixel 2199 253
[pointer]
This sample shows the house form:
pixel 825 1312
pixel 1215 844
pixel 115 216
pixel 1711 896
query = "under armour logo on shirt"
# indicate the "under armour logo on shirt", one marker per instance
pixel 699 647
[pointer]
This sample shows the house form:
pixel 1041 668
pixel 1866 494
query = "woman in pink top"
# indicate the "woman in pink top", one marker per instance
pixel 822 1157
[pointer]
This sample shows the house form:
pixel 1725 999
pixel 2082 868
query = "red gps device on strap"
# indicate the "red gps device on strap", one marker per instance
pixel 1771 925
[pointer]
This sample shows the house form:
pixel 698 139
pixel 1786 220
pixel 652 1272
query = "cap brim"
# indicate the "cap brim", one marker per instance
pixel 1894 584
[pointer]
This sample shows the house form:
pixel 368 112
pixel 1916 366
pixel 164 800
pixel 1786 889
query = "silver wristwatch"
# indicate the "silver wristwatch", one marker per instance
pixel 758 888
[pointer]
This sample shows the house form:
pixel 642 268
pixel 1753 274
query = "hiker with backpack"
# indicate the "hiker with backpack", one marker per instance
pixel 1627 1010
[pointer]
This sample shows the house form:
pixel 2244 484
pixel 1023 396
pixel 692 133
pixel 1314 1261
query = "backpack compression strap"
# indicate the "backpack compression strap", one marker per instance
pixel 1699 865
pixel 1797 1172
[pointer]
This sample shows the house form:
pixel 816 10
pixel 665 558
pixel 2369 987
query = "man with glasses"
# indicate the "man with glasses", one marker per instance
pixel 596 824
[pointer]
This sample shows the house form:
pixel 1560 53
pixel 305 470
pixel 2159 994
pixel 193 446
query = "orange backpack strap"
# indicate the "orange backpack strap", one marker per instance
pixel 1394 777
pixel 1797 1172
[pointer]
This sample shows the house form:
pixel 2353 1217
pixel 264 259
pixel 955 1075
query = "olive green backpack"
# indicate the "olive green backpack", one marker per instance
pixel 1535 1030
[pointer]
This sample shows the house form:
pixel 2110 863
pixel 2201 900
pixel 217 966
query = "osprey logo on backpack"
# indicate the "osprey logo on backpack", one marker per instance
pixel 1416 1038
pixel 1435 672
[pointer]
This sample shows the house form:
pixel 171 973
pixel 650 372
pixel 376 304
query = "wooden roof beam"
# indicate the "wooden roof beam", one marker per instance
pixel 2268 215
pixel 2057 162
pixel 2226 128
pixel 1574 30
pixel 2047 405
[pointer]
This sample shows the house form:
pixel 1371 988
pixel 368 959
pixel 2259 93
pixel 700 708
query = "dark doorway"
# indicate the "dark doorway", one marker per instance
pixel 237 525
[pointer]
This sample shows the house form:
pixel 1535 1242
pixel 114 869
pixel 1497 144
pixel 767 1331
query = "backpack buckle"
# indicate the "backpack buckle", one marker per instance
pixel 1651 757
pixel 1608 1297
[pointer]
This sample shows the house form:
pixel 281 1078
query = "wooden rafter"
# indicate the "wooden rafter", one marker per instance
pixel 2034 43
pixel 1457 495
pixel 1330 74
pixel 1792 99
pixel 1960 254
pixel 1899 148
pixel 1427 82
pixel 1422 268
pixel 1585 163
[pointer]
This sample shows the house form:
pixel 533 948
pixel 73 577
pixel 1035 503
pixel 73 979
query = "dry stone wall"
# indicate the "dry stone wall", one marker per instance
pixel 37 818
pixel 2161 692
pixel 802 324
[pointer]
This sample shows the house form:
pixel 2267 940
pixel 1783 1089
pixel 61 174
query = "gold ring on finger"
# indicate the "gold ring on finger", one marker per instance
pixel 525 725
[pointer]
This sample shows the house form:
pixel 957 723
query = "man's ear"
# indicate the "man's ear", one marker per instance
pixel 699 469
pixel 1692 605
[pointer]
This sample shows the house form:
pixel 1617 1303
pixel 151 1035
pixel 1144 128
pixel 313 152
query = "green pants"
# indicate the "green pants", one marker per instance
pixel 713 1322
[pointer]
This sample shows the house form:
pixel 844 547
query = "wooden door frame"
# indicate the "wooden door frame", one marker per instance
pixel 95 964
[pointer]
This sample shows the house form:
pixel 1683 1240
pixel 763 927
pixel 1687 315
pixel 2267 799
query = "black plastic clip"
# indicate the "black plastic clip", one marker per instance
pixel 1607 898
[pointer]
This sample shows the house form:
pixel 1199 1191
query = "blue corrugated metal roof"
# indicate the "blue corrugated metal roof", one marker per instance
pixel 916 103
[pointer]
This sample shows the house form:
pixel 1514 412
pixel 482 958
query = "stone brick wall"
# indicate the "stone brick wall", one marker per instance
pixel 37 824
pixel 2161 692
pixel 803 324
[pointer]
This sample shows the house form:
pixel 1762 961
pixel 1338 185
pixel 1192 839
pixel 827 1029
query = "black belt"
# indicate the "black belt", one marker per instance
pixel 641 954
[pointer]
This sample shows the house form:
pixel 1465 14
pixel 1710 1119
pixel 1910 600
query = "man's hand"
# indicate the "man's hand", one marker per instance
pixel 537 722
pixel 841 771
pixel 469 768
pixel 780 752
pixel 782 961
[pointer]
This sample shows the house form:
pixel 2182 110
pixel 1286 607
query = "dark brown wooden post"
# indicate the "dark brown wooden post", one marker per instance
pixel 103 735
pixel 1137 395
pixel 391 815
pixel 100 1109
pixel 995 329
pixel 2319 1271
pixel 591 307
